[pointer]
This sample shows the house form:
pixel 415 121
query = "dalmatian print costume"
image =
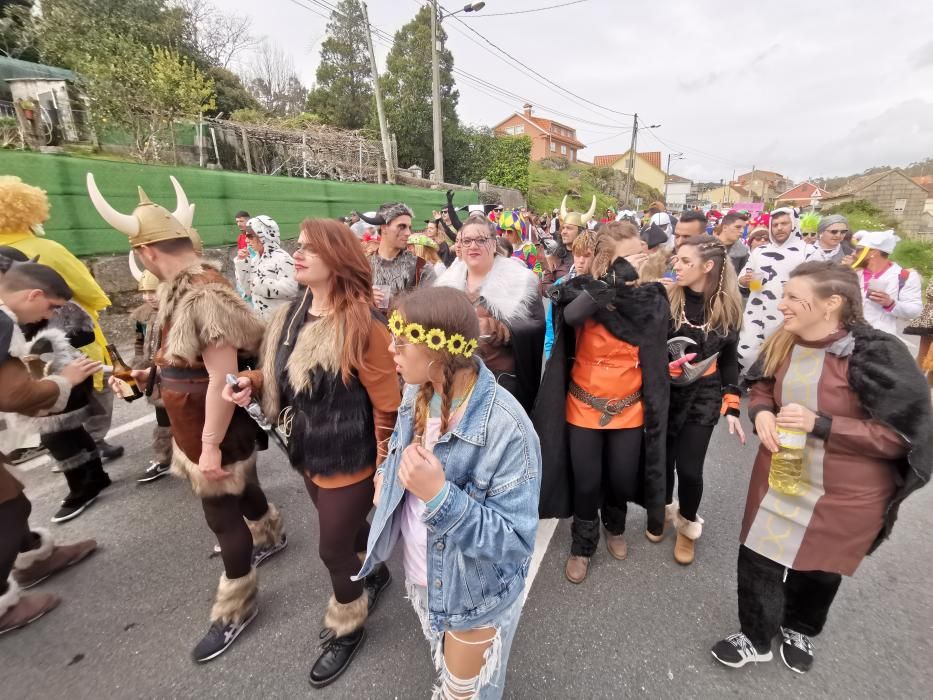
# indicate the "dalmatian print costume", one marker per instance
pixel 268 279
pixel 774 261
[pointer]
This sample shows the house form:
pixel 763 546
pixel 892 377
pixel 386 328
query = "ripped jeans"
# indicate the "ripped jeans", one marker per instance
pixel 490 683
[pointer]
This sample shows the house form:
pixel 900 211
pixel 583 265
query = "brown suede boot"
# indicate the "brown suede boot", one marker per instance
pixel 19 610
pixel 576 568
pixel 617 546
pixel 688 532
pixel 48 558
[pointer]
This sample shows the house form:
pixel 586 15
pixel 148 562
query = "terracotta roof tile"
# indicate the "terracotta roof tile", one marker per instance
pixel 653 157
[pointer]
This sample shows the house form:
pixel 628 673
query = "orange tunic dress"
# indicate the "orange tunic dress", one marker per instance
pixel 606 368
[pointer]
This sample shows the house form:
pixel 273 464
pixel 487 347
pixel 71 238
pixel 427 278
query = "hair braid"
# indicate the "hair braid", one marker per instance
pixel 422 409
pixel 447 396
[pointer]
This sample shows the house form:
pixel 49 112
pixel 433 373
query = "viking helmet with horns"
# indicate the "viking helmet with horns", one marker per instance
pixel 149 222
pixel 145 280
pixel 574 218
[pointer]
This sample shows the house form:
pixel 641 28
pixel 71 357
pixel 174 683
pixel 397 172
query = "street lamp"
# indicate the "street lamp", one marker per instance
pixel 436 18
pixel 667 173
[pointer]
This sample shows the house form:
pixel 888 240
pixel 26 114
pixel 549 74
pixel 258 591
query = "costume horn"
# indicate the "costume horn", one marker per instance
pixel 184 211
pixel 134 268
pixel 589 215
pixel 124 223
pixel 563 208
pixel 372 220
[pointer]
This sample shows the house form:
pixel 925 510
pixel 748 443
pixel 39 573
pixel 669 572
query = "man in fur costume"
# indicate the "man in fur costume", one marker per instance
pixel 144 349
pixel 30 293
pixel 23 209
pixel 634 314
pixel 509 308
pixel 392 265
pixel 205 330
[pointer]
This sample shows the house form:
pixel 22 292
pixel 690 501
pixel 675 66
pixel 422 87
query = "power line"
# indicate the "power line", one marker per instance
pixel 532 70
pixel 483 15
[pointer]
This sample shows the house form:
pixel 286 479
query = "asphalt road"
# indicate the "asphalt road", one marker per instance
pixel 642 627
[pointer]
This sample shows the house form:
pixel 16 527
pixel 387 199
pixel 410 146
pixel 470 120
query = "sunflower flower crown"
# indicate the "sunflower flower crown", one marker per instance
pixel 434 338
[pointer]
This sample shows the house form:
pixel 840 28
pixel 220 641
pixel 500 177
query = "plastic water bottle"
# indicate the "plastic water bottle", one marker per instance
pixel 787 463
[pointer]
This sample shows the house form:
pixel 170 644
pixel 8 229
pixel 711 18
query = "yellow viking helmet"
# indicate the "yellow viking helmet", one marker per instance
pixel 146 281
pixel 149 222
pixel 575 218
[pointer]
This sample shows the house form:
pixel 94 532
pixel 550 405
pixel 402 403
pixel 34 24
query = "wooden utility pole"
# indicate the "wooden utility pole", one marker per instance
pixel 383 127
pixel 631 163
pixel 436 96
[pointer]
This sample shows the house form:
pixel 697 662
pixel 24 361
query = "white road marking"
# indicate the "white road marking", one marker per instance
pixel 119 430
pixel 542 541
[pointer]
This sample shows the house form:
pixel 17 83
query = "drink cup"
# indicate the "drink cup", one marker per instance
pixel 386 295
pixel 756 282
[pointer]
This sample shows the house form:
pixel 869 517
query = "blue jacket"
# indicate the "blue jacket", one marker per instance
pixel 549 319
pixel 482 534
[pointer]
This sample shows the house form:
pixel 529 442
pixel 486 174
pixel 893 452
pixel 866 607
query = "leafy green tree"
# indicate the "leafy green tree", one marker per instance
pixel 18 30
pixel 343 93
pixel 231 94
pixel 407 90
pixel 509 167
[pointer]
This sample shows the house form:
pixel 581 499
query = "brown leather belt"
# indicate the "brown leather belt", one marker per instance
pixel 608 407
pixel 184 380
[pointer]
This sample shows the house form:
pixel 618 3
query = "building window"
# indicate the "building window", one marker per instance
pixel 563 150
pixel 899 206
pixel 515 130
pixel 553 147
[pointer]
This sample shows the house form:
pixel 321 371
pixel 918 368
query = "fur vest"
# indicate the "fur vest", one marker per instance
pixel 199 307
pixel 329 424
pixel 510 295
pixel 892 390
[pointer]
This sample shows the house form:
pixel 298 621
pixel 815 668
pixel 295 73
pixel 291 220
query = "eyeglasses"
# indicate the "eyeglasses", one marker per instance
pixel 833 232
pixel 305 251
pixel 470 242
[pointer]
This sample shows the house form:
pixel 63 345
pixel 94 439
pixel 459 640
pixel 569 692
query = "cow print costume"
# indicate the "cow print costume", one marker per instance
pixel 775 261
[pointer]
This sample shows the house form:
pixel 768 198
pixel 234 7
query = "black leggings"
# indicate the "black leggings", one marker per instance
pixel 685 455
pixel 343 531
pixel 224 515
pixel 15 536
pixel 604 463
pixel 768 601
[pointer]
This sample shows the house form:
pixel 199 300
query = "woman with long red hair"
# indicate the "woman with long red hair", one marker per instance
pixel 328 381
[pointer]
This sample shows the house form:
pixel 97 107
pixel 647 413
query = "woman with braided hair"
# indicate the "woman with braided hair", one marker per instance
pixel 706 312
pixel 859 399
pixel 459 488
pixel 327 378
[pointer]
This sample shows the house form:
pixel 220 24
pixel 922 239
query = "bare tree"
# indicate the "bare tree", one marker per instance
pixel 273 81
pixel 218 36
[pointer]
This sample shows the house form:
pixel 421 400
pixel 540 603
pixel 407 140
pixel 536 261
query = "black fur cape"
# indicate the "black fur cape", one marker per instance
pixel 639 316
pixel 893 391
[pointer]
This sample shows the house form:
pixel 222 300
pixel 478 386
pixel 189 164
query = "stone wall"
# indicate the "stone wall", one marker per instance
pixel 886 191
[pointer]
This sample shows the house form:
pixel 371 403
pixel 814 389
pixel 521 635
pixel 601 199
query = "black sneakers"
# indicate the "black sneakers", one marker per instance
pixel 73 505
pixel 260 554
pixel 109 452
pixel 154 471
pixel 796 650
pixel 376 583
pixel 336 655
pixel 219 638
pixel 736 650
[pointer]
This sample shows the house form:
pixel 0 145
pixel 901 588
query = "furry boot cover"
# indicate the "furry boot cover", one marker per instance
pixel 46 544
pixel 236 598
pixel 9 599
pixel 691 529
pixel 268 529
pixel 584 536
pixel 345 618
pixel 670 512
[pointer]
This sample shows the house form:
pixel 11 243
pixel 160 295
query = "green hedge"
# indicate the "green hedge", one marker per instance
pixel 218 195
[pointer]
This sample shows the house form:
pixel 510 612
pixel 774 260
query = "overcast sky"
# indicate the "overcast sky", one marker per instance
pixel 808 89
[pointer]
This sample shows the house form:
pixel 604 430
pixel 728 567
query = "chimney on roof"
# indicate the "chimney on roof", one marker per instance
pixel 527 108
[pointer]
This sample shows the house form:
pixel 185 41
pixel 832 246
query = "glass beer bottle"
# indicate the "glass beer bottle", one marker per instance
pixel 127 388
pixel 787 463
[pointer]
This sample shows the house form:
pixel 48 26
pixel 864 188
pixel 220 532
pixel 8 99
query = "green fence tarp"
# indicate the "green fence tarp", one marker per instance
pixel 218 195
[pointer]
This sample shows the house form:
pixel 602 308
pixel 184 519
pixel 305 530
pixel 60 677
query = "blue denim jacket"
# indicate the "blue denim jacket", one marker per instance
pixel 482 535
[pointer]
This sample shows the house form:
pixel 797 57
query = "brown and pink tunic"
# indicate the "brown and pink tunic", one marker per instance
pixel 849 478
